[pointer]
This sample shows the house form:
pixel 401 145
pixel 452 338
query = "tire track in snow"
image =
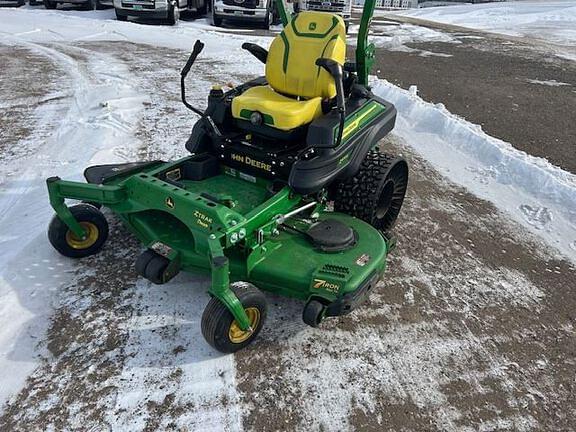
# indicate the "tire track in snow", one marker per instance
pixel 157 370
pixel 30 271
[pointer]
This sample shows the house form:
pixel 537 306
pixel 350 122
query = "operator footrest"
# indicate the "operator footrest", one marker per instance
pixel 98 174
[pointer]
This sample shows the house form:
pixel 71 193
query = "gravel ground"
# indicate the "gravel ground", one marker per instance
pixel 472 327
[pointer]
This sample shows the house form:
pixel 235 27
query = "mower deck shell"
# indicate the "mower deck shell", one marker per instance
pixel 287 263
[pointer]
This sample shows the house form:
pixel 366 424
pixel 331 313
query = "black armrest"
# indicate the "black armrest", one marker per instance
pixel 334 69
pixel 256 50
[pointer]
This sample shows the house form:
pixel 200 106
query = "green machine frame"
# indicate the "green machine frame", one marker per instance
pixel 212 228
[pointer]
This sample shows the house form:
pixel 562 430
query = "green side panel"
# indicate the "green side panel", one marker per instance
pixel 358 119
pixel 313 35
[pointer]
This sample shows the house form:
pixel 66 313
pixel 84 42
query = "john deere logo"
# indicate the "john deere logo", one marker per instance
pixel 169 202
pixel 312 26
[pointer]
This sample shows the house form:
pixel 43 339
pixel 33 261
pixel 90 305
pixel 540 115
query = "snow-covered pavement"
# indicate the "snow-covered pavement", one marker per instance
pixel 553 21
pixel 86 345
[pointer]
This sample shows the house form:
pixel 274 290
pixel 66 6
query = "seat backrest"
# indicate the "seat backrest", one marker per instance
pixel 291 65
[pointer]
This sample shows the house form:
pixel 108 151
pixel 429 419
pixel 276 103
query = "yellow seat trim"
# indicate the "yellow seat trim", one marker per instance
pixel 278 111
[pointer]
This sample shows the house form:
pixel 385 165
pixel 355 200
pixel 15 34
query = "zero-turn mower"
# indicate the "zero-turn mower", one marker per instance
pixel 285 189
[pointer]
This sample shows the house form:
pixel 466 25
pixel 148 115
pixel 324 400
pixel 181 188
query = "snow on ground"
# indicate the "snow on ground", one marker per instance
pixel 96 126
pixel 534 192
pixel 102 112
pixel 394 37
pixel 549 21
pixel 551 83
pixel 103 102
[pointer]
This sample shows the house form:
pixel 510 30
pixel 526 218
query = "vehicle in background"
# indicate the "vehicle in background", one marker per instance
pixel 85 4
pixel 12 3
pixel 340 7
pixel 263 12
pixel 168 10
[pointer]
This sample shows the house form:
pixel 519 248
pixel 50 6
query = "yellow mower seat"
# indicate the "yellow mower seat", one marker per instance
pixel 296 85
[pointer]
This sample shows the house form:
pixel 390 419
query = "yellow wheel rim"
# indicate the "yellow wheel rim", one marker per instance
pixel 236 334
pixel 91 237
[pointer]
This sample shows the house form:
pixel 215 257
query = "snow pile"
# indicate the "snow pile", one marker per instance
pixel 537 194
pixel 550 21
pixel 395 37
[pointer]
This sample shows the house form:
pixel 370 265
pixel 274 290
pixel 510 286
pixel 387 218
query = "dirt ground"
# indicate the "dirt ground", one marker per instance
pixel 472 327
pixel 494 82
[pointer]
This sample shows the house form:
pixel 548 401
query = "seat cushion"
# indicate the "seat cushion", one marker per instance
pixel 277 111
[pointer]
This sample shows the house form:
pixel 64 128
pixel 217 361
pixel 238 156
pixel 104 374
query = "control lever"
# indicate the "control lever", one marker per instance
pixel 335 69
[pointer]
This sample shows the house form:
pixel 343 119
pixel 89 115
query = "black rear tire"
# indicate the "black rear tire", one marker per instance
pixel 50 4
pixel 214 20
pixel 121 17
pixel 90 5
pixel 66 242
pixel 313 313
pixel 269 18
pixel 173 15
pixel 376 193
pixel 218 322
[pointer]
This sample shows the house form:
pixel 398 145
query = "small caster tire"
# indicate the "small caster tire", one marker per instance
pixel 93 204
pixel 313 313
pixel 143 260
pixel 156 270
pixel 68 244
pixel 221 330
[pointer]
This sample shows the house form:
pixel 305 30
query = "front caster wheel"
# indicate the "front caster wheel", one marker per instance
pixel 68 243
pixel 153 267
pixel 313 313
pixel 221 330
